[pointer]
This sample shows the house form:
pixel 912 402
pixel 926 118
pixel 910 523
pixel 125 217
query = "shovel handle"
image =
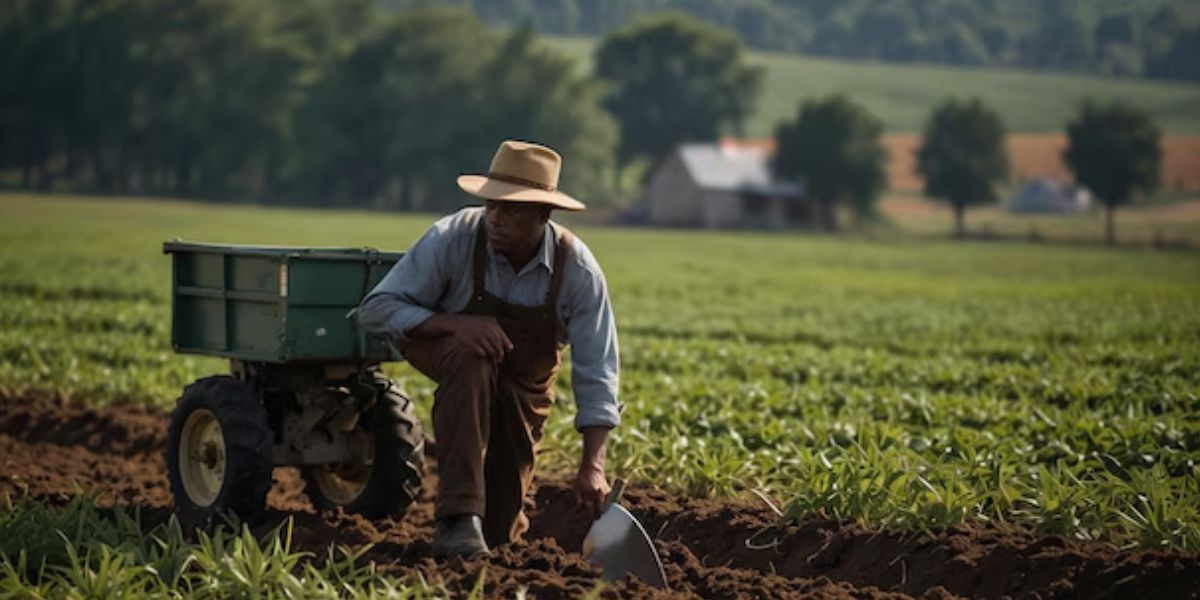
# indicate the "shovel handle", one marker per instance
pixel 614 495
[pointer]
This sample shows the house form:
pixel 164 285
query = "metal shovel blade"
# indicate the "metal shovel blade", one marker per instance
pixel 618 544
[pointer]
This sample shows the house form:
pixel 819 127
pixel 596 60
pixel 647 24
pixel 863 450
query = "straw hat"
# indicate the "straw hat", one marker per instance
pixel 521 172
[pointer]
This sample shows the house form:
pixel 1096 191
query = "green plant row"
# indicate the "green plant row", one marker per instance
pixel 899 384
pixel 79 551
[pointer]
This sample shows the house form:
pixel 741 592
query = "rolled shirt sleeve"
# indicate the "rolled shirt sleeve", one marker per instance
pixel 399 303
pixel 592 333
pixel 435 276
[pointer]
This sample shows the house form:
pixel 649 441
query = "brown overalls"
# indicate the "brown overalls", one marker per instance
pixel 488 417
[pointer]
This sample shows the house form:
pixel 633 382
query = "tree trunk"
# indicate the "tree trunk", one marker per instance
pixel 1110 226
pixel 828 216
pixel 960 226
pixel 183 176
pixel 406 193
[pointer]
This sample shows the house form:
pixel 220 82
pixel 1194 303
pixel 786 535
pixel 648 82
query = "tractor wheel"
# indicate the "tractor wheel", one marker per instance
pixel 384 477
pixel 219 451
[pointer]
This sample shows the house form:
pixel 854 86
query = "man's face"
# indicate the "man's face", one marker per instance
pixel 515 226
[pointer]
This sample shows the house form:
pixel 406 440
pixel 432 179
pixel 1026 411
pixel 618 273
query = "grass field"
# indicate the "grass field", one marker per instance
pixel 902 384
pixel 1165 223
pixel 902 95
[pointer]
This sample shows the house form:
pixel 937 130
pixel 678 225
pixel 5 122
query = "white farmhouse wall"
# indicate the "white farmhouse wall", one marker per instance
pixel 722 210
pixel 672 196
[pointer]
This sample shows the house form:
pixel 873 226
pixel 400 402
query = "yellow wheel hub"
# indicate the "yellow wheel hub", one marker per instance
pixel 343 483
pixel 202 457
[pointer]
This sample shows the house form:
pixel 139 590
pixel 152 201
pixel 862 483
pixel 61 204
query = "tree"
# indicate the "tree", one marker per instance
pixel 1180 62
pixel 390 111
pixel 535 93
pixel 673 79
pixel 431 94
pixel 963 157
pixel 888 30
pixel 1114 151
pixel 1064 43
pixel 836 148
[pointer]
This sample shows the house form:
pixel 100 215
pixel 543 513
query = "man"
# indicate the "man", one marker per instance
pixel 483 304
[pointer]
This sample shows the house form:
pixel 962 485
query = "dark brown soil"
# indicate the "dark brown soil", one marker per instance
pixel 48 450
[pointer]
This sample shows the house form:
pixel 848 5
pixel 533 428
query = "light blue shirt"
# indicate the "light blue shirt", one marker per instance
pixel 435 276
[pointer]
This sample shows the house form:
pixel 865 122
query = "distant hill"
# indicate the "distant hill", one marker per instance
pixel 903 95
pixel 1152 38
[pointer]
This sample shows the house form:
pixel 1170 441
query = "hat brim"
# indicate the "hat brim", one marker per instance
pixel 492 189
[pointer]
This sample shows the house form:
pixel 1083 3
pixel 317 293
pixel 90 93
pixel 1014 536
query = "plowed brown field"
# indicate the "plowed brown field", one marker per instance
pixel 1035 155
pixel 47 448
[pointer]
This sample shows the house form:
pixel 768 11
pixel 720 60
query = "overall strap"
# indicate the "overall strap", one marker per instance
pixel 479 262
pixel 561 248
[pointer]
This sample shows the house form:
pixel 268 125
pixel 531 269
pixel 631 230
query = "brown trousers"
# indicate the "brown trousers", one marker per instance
pixel 487 420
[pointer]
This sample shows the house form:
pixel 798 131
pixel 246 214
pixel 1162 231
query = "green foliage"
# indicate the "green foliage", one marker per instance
pixel 673 79
pixel 80 551
pixel 321 102
pixel 1180 61
pixel 836 148
pixel 963 157
pixel 894 383
pixel 1100 37
pixel 1114 151
pixel 387 123
pixel 902 95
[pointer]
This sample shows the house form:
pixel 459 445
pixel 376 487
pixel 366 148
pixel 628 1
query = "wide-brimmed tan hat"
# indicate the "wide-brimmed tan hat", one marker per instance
pixel 521 172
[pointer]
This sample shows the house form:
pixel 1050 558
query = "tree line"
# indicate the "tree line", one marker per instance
pixel 297 101
pixel 674 79
pixel 334 103
pixel 835 147
pixel 1155 38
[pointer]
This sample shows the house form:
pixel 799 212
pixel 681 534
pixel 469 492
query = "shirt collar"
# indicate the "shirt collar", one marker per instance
pixel 544 256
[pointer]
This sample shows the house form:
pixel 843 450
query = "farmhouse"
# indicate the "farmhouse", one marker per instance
pixel 721 186
pixel 1045 195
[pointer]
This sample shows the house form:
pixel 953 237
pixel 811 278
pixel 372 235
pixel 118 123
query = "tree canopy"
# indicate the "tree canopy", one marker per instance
pixel 963 156
pixel 285 100
pixel 1147 37
pixel 1114 151
pixel 835 147
pixel 673 79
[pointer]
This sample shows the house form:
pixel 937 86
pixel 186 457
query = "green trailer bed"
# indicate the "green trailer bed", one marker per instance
pixel 274 304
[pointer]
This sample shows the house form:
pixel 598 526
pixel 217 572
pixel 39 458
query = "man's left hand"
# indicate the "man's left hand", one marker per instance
pixel 591 490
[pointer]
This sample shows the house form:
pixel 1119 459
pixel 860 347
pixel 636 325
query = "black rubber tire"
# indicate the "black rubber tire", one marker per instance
pixel 395 479
pixel 248 439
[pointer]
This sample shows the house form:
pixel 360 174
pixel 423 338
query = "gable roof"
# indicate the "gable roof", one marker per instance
pixel 730 168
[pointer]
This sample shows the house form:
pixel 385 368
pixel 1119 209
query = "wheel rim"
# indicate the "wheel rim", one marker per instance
pixel 202 457
pixel 343 483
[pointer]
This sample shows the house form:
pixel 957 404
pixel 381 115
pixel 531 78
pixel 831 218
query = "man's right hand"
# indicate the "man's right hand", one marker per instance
pixel 478 334
pixel 482 335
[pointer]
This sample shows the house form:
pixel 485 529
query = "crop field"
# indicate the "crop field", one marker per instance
pixel 902 95
pixel 933 419
pixel 1040 155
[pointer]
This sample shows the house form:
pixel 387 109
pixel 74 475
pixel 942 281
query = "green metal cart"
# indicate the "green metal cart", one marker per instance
pixel 305 388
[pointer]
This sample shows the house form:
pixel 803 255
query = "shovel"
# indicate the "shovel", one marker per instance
pixel 618 544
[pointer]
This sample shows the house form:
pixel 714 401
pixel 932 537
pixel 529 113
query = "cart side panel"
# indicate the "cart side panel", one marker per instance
pixel 321 295
pixel 199 325
pixel 199 269
pixel 321 333
pixel 255 306
pixel 198 322
pixel 274 304
pixel 254 274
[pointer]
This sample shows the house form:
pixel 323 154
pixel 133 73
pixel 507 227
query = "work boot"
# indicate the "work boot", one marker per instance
pixel 459 535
